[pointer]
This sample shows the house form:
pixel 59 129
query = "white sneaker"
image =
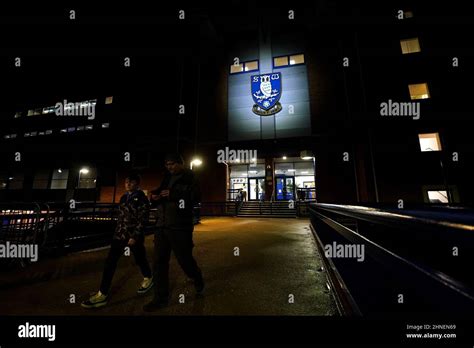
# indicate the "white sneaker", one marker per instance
pixel 95 301
pixel 146 285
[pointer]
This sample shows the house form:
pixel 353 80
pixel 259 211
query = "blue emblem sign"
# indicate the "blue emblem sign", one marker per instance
pixel 266 92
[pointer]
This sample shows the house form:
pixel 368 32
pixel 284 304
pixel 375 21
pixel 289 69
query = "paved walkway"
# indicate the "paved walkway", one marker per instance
pixel 278 258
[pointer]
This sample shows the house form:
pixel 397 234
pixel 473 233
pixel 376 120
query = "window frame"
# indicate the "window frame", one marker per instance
pixel 243 67
pixel 53 180
pixel 438 141
pixel 410 39
pixel 288 57
pixel 420 83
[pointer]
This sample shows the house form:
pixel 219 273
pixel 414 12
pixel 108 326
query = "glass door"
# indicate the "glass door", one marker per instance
pixel 253 189
pixel 285 188
pixel 257 189
pixel 261 189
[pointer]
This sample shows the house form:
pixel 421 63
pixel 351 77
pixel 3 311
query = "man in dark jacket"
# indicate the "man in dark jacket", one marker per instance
pixel 174 199
pixel 134 208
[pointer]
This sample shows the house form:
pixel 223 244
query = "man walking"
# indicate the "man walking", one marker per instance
pixel 133 214
pixel 175 199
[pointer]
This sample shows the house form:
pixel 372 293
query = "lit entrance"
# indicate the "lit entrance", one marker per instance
pixel 285 188
pixel 294 179
pixel 257 189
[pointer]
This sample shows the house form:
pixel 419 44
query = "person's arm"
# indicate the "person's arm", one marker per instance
pixel 120 215
pixel 156 199
pixel 189 192
pixel 141 214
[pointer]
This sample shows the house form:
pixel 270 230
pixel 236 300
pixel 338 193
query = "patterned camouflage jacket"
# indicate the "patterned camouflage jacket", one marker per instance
pixel 133 215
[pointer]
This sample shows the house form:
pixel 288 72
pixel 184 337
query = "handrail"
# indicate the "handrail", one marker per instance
pixel 398 216
pixel 390 257
pixel 325 225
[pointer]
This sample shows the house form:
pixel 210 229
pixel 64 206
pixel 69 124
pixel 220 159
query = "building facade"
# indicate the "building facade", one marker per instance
pixel 360 104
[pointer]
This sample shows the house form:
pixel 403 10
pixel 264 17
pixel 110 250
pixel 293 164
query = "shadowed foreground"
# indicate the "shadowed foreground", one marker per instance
pixel 277 257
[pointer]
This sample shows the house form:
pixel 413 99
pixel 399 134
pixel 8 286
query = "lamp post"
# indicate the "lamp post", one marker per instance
pixel 82 171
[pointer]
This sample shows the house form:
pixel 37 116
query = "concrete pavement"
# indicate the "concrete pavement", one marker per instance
pixel 277 262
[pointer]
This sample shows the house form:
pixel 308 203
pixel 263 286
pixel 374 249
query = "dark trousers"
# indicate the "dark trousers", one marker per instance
pixel 116 250
pixel 180 241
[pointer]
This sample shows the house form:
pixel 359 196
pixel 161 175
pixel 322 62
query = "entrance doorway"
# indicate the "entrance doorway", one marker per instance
pixel 285 188
pixel 256 189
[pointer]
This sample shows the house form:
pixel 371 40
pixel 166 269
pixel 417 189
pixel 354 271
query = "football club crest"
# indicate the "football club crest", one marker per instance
pixel 266 93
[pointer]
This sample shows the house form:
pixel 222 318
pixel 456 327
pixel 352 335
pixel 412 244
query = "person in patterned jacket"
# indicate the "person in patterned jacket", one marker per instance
pixel 133 215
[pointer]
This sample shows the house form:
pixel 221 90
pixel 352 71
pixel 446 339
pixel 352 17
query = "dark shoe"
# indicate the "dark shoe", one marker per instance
pixel 199 286
pixel 155 305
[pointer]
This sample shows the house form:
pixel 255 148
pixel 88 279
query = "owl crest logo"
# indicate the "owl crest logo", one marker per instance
pixel 266 93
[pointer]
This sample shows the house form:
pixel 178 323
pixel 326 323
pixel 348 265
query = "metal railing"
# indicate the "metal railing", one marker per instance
pixel 228 208
pixel 21 224
pixel 234 194
pixel 408 264
pixel 306 194
pixel 57 228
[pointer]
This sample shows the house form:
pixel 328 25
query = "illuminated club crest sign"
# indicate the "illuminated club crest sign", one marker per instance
pixel 266 92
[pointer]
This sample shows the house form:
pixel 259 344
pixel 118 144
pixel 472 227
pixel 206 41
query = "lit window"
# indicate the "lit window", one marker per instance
pixel 109 100
pixel 410 45
pixel 33 134
pixel 6 136
pixel 419 91
pixel 429 142
pixel 438 196
pixel 80 128
pixel 13 136
pixel 38 111
pixel 40 133
pixel 87 178
pixel 105 125
pixel 64 130
pixel 297 59
pixel 49 131
pixel 18 114
pixel 71 129
pixel 59 179
pixel 236 68
pixel 27 135
pixel 280 61
pixel 30 112
pixel 89 127
pixel 251 66
pixel 408 14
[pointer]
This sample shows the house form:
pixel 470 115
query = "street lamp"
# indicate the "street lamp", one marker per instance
pixel 82 171
pixel 195 162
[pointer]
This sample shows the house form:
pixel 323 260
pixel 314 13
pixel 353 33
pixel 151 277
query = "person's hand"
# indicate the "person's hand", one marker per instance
pixel 131 242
